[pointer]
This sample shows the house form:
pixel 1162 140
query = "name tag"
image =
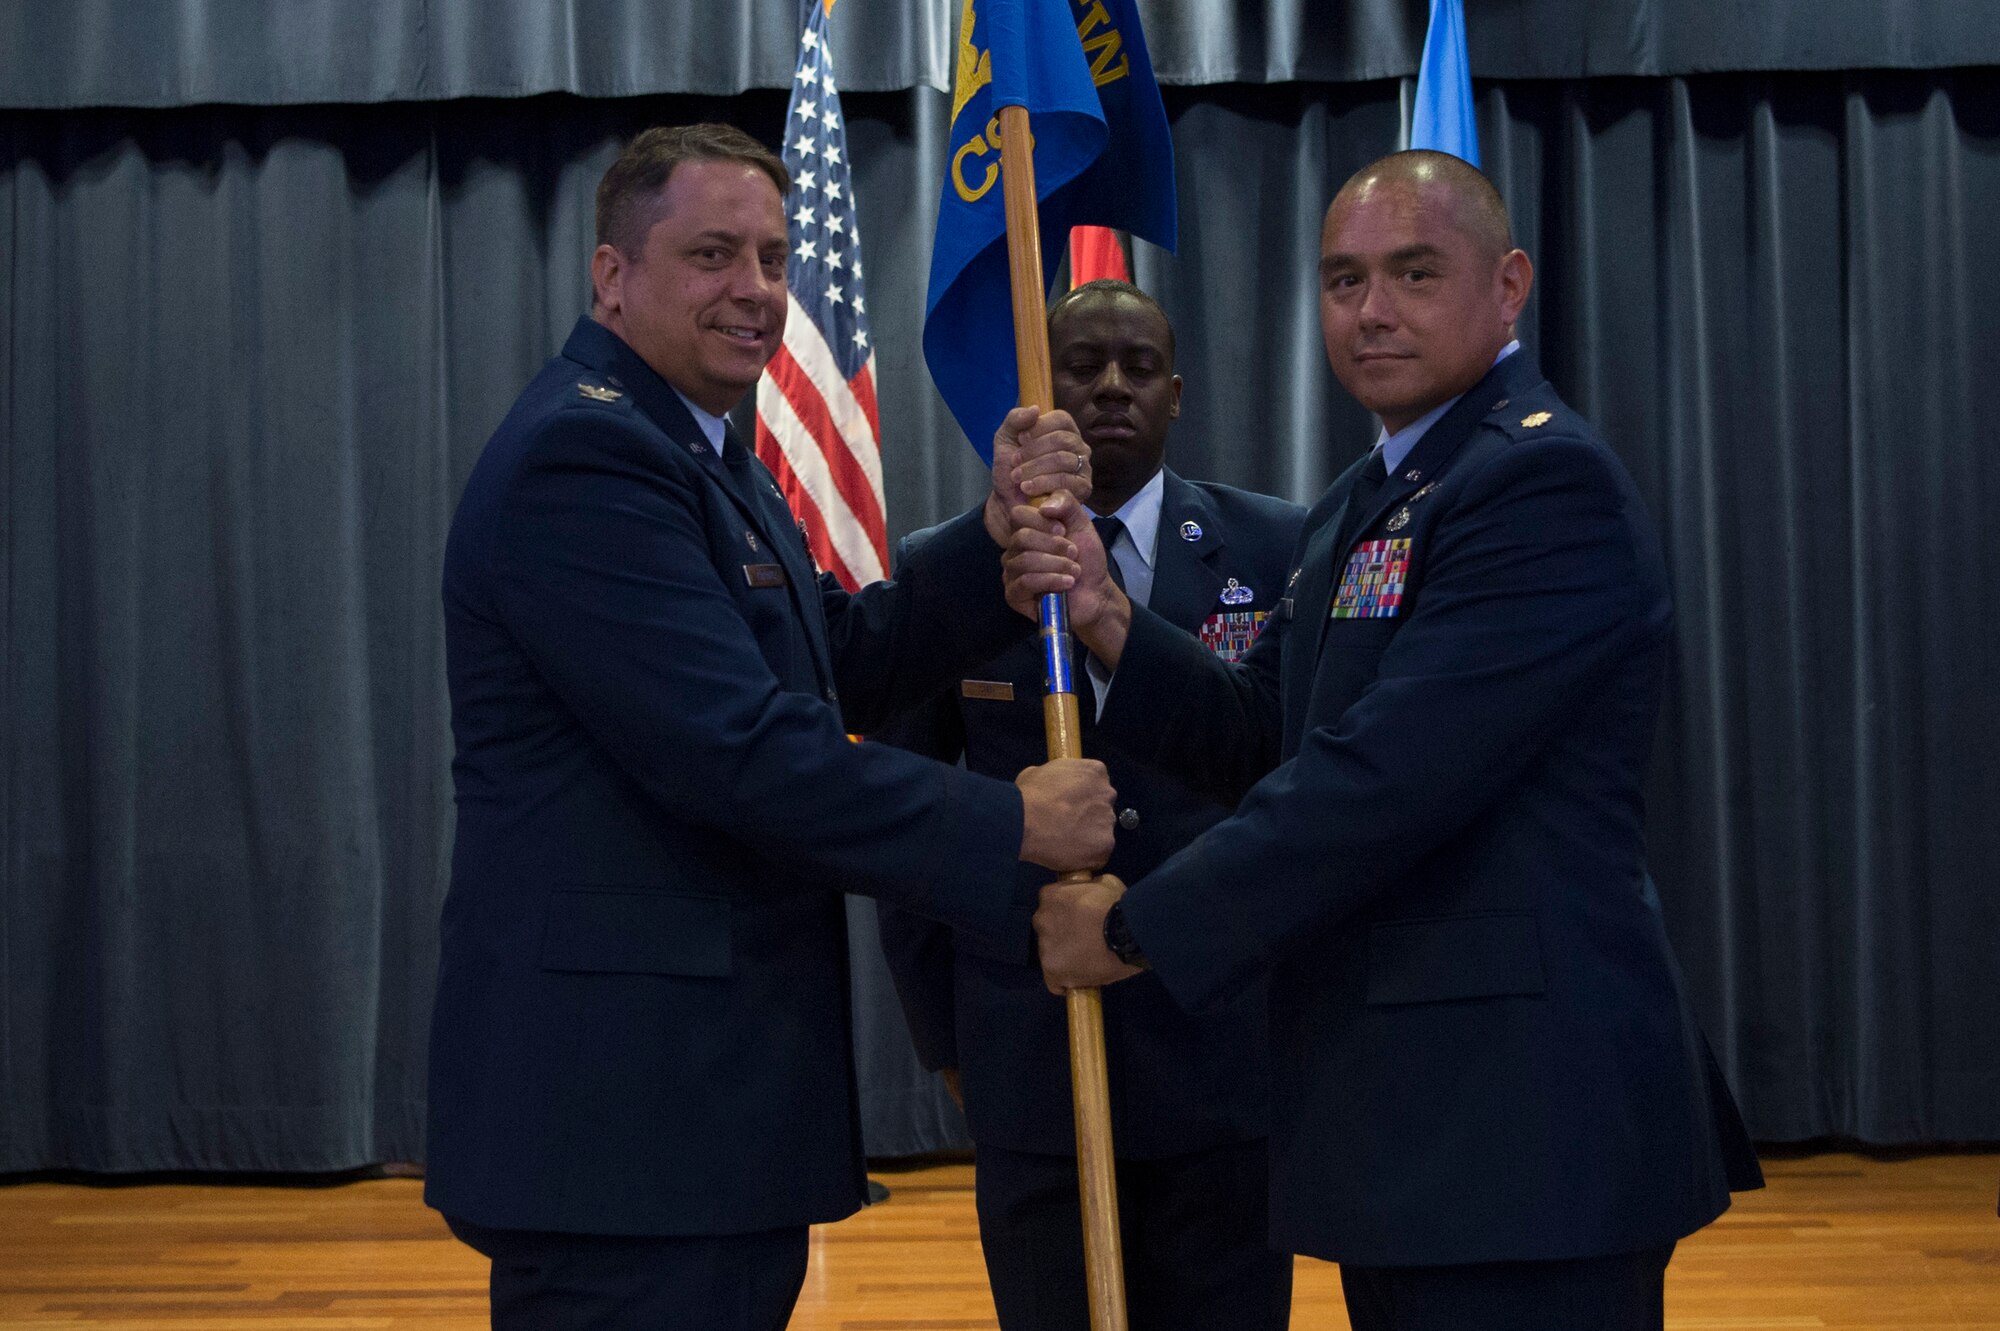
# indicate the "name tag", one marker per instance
pixel 991 690
pixel 764 575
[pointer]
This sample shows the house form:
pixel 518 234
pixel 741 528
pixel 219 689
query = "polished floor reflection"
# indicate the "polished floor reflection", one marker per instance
pixel 1837 1240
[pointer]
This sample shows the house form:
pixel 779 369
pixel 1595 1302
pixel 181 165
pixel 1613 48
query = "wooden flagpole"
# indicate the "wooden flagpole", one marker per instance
pixel 1103 1260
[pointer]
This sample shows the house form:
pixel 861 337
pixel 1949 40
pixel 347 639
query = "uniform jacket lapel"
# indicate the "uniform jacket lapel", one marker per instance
pixel 1510 378
pixel 1324 563
pixel 1314 593
pixel 1185 583
pixel 747 485
pixel 788 542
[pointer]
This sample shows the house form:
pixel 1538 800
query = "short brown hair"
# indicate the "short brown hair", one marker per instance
pixel 629 195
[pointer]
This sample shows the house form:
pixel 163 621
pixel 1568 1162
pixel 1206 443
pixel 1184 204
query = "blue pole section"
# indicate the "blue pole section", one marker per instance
pixel 1055 643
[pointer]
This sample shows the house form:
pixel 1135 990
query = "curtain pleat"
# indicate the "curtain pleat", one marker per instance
pixel 164 53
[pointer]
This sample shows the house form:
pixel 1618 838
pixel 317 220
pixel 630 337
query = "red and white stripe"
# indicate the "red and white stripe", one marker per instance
pixel 818 433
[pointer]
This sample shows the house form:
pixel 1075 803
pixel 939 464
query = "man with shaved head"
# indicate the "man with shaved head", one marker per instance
pixel 1491 1101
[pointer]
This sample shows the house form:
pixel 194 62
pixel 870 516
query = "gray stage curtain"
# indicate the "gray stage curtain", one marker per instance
pixel 85 53
pixel 247 356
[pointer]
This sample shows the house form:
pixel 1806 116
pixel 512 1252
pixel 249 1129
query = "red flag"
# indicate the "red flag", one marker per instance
pixel 1094 252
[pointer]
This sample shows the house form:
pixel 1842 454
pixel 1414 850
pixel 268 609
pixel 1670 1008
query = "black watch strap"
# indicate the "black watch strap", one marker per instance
pixel 1118 937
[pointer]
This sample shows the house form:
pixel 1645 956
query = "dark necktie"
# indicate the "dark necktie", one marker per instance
pixel 1107 535
pixel 1108 530
pixel 1374 475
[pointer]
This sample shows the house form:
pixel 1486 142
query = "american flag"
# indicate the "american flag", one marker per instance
pixel 817 423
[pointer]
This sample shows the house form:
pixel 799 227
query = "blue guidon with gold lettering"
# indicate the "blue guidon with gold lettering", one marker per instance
pixel 1103 157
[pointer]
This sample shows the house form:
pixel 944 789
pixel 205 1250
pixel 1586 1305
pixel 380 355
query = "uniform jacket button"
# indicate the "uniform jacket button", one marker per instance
pixel 1128 818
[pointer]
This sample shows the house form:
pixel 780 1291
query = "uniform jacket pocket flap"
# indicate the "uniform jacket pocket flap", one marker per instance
pixel 636 932
pixel 1460 956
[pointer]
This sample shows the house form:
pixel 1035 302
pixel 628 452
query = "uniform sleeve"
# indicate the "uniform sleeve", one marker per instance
pixel 1533 596
pixel 606 581
pixel 896 643
pixel 1215 725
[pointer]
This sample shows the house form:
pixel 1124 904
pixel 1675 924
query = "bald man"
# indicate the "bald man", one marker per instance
pixel 1491 1102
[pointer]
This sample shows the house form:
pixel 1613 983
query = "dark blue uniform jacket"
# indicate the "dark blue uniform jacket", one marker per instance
pixel 1179 1083
pixel 642 1017
pixel 1480 1046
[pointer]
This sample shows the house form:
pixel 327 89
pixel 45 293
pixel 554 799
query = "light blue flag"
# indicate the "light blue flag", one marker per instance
pixel 1442 118
pixel 1103 157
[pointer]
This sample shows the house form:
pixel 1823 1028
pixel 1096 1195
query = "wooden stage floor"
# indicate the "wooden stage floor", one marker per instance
pixel 1836 1241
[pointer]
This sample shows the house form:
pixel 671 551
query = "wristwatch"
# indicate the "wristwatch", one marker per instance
pixel 1118 937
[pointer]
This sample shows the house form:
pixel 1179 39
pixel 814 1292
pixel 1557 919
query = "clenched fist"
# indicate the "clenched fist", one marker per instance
pixel 1067 819
pixel 1035 455
pixel 1069 933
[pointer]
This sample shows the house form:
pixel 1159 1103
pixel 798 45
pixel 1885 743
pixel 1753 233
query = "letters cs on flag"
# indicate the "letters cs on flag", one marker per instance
pixel 1103 157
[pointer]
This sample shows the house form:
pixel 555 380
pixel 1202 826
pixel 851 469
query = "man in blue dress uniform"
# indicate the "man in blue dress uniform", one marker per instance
pixel 1189 1094
pixel 1491 1102
pixel 642 1087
